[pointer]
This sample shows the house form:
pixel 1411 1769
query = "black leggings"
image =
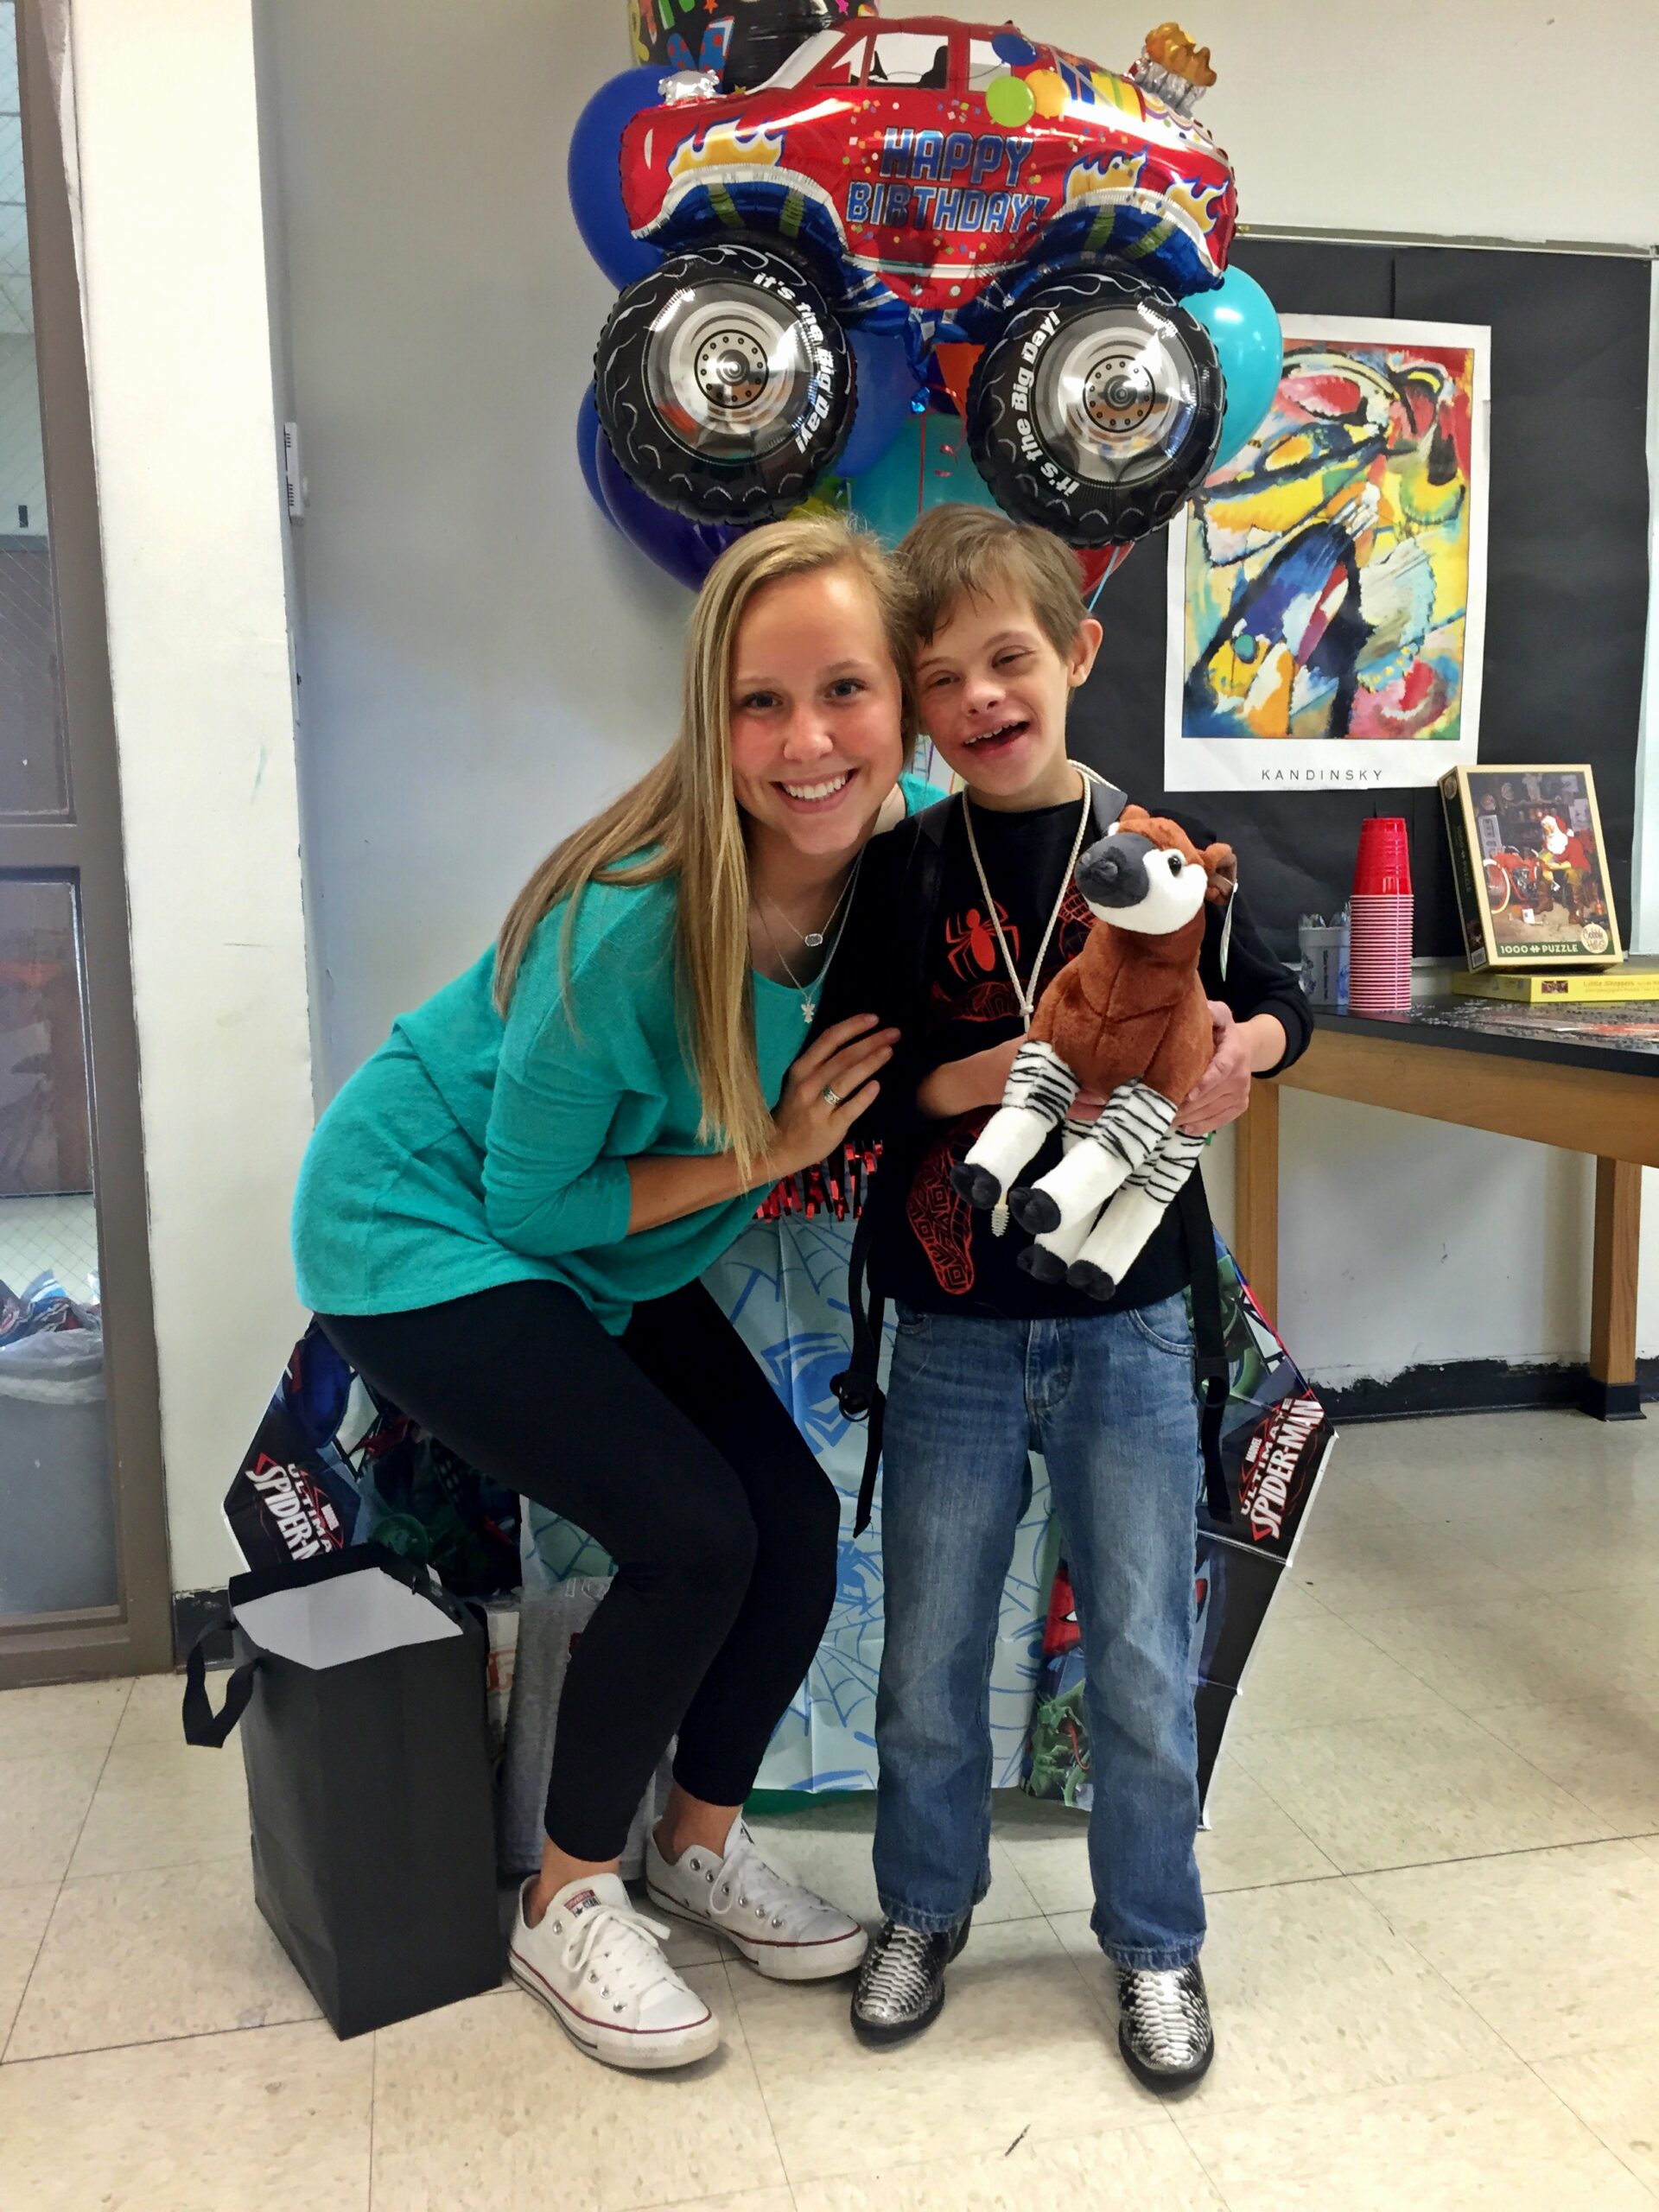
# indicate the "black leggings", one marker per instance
pixel 667 1445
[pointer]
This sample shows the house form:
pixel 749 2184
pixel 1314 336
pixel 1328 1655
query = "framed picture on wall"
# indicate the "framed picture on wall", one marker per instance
pixel 1327 585
pixel 1530 867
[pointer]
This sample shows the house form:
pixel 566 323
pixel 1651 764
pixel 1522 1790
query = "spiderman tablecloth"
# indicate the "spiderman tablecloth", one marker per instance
pixel 783 1285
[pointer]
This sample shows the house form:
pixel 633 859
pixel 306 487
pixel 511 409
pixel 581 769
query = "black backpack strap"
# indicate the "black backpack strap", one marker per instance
pixel 1210 1367
pixel 858 1392
pixel 872 1464
pixel 1106 803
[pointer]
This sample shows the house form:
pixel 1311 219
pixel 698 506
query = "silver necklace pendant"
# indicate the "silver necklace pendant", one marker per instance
pixel 808 1004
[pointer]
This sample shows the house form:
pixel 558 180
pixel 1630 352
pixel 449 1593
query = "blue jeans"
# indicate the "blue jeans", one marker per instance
pixel 1110 1403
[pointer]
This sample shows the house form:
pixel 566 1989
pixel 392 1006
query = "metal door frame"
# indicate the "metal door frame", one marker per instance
pixel 135 1634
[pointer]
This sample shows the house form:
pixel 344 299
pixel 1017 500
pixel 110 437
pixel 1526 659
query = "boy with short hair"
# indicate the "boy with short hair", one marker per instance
pixel 991 1364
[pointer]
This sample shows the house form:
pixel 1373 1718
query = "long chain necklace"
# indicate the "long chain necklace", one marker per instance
pixel 1026 994
pixel 808 1004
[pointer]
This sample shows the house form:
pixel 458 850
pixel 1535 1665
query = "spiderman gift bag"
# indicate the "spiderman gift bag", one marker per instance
pixel 1276 1440
pixel 784 1286
pixel 332 1465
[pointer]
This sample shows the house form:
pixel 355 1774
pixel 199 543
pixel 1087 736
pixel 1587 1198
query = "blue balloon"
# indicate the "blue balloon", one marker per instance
pixel 593 173
pixel 1240 317
pixel 686 550
pixel 589 437
pixel 884 385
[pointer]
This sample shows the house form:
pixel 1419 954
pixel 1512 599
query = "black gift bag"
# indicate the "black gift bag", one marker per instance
pixel 360 1690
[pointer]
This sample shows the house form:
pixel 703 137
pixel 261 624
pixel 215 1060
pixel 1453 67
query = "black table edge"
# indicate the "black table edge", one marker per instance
pixel 1598 1057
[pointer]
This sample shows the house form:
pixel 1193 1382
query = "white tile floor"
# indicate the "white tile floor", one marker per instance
pixel 1433 1952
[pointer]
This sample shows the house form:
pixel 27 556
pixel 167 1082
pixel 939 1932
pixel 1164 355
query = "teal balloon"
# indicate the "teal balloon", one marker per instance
pixel 927 465
pixel 1240 317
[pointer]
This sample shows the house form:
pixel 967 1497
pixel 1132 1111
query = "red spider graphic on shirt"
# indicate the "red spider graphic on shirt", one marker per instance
pixel 970 942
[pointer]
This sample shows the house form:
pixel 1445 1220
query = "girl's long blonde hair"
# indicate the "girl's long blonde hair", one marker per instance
pixel 682 819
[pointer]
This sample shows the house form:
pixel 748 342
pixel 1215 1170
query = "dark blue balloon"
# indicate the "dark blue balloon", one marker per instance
pixel 589 436
pixel 593 173
pixel 885 385
pixel 1009 46
pixel 686 550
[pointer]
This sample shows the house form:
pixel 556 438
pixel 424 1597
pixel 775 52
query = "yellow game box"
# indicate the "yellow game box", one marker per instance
pixel 1626 986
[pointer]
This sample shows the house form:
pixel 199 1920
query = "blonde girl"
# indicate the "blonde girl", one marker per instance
pixel 502 1219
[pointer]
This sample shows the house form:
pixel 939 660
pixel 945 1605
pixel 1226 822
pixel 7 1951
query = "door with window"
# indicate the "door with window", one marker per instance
pixel 84 1585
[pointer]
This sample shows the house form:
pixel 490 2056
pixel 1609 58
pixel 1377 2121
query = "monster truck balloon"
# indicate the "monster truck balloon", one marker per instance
pixel 869 181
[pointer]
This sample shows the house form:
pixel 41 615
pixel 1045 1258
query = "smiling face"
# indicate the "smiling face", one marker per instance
pixel 993 692
pixel 816 711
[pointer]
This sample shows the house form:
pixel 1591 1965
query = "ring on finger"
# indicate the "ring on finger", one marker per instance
pixel 829 1095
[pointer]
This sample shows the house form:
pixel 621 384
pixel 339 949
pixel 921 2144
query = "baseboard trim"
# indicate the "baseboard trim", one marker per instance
pixel 1487 1386
pixel 194 1611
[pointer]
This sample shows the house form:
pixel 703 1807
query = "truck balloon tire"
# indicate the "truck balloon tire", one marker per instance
pixel 1096 409
pixel 724 384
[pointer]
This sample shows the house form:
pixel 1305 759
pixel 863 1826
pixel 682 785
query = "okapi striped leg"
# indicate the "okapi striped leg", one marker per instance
pixel 1048 1257
pixel 1036 1099
pixel 1134 1121
pixel 1119 1238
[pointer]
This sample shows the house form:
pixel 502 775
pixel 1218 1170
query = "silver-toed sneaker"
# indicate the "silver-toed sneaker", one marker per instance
pixel 901 1984
pixel 1163 2028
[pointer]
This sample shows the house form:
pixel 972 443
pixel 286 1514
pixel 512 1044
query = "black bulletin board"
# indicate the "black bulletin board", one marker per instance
pixel 1567 593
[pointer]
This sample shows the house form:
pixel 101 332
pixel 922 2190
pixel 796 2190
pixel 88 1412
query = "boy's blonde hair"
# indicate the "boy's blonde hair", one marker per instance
pixel 685 818
pixel 959 551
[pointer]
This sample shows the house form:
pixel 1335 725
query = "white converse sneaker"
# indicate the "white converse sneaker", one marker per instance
pixel 782 1929
pixel 595 1963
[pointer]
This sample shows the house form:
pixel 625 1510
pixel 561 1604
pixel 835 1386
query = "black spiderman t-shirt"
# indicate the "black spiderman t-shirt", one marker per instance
pixel 936 1252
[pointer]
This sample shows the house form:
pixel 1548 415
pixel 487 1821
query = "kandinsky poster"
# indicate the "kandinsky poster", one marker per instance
pixel 1327 592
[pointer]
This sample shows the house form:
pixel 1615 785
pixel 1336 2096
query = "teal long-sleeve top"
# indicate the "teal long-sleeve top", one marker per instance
pixel 472 1151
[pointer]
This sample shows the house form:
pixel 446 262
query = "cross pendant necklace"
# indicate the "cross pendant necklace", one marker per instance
pixel 808 1004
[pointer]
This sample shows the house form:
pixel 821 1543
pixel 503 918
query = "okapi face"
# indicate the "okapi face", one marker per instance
pixel 1145 874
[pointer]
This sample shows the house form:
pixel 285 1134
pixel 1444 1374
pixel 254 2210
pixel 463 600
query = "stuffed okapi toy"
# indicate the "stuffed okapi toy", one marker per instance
pixel 1128 1020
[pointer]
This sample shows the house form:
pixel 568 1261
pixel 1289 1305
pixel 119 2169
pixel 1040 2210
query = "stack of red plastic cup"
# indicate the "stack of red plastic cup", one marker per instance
pixel 1379 951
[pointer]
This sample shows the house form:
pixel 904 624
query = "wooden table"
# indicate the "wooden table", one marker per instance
pixel 1520 1072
